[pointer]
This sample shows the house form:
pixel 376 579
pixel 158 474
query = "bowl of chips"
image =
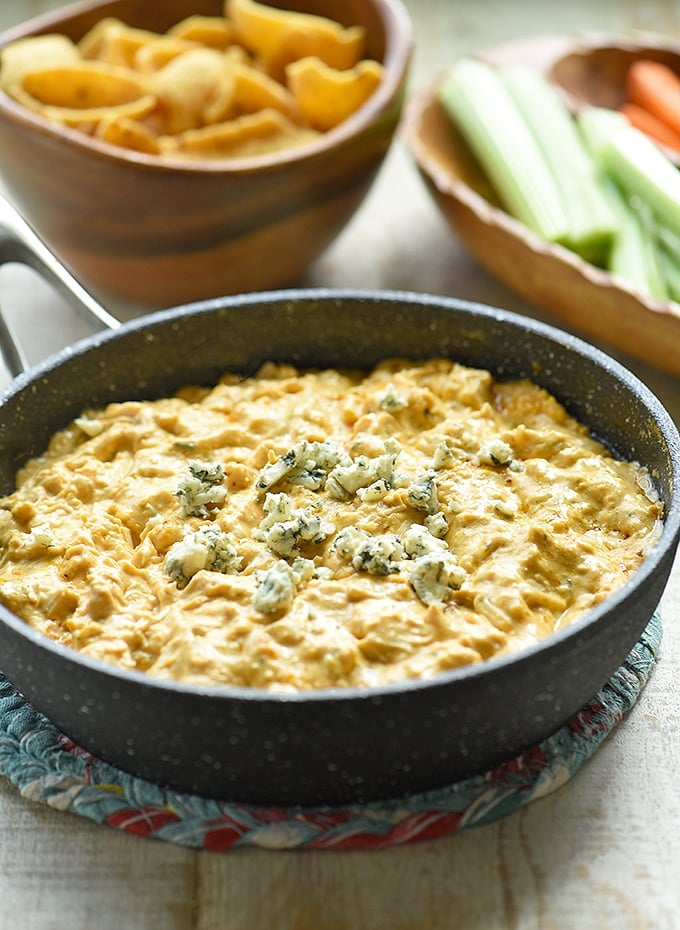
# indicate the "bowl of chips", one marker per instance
pixel 179 151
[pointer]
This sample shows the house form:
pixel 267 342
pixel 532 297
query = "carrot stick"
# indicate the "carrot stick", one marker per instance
pixel 656 88
pixel 645 121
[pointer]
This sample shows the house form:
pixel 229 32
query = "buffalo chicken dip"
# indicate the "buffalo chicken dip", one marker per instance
pixel 313 529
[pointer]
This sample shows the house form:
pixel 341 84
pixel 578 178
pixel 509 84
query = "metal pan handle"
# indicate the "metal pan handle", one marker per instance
pixel 19 243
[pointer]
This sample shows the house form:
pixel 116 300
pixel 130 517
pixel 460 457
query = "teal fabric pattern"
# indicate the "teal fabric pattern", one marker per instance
pixel 46 767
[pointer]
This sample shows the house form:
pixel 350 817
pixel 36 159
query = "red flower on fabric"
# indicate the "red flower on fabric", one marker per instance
pixel 522 768
pixel 224 832
pixel 591 720
pixel 142 821
pixel 75 750
pixel 427 825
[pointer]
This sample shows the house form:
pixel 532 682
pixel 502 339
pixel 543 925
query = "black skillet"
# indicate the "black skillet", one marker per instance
pixel 339 746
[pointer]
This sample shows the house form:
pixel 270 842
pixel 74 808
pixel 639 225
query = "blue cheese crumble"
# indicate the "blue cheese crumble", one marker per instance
pixel 374 492
pixel 283 529
pixel 305 570
pixel 327 466
pixel 433 570
pixel 377 555
pixel 437 524
pixel 208 548
pixel 496 453
pixel 201 489
pixel 347 479
pixel 306 464
pixel 418 540
pixel 275 588
pixel 443 457
pixel 436 575
pixel 422 493
pixel 392 399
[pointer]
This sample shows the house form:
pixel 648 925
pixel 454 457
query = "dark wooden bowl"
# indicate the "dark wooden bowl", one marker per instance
pixel 160 233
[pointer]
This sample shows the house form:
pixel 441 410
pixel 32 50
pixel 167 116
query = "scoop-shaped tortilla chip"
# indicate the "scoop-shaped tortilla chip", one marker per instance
pixel 326 97
pixel 278 37
pixel 254 90
pixel 193 90
pixel 252 134
pixel 127 133
pixel 213 31
pixel 84 92
pixel 24 55
pixel 113 41
pixel 156 54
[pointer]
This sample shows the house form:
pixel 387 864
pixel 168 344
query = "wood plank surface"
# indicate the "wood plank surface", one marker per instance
pixel 602 853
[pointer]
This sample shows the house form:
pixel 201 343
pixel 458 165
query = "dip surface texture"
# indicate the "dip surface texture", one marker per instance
pixel 303 530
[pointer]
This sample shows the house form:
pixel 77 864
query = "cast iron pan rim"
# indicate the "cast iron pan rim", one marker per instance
pixel 670 531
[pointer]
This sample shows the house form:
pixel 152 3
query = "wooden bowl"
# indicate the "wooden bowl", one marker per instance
pixel 597 304
pixel 163 233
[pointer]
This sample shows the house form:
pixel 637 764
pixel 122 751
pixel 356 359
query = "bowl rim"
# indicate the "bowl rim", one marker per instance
pixel 481 672
pixel 399 42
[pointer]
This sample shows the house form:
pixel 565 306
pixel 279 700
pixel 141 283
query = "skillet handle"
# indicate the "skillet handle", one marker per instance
pixel 19 243
pixel 10 349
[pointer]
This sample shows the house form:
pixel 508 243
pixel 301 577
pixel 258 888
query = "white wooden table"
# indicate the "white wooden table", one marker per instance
pixel 602 853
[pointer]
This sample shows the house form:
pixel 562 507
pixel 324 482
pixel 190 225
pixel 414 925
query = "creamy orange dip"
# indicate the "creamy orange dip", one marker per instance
pixel 300 530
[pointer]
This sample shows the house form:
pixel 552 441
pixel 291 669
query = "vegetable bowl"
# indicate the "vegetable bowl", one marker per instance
pixel 609 303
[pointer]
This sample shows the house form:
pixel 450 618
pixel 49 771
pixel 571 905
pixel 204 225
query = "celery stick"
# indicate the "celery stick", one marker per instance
pixel 651 254
pixel 641 168
pixel 591 222
pixel 482 109
pixel 669 241
pixel 671 272
pixel 596 124
pixel 668 249
pixel 634 255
